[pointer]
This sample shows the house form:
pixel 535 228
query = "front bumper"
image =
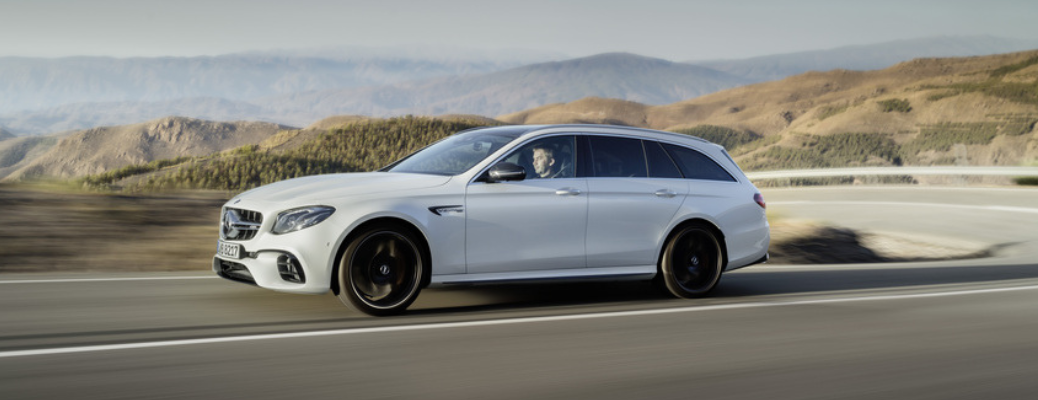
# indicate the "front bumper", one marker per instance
pixel 280 270
pixel 233 271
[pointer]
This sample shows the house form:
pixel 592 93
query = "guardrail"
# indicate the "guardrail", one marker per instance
pixel 829 172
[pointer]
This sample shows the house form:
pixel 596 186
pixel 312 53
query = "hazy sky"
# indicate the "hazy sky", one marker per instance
pixel 671 29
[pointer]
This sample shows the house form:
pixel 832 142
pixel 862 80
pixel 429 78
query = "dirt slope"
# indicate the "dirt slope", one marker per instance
pixel 102 149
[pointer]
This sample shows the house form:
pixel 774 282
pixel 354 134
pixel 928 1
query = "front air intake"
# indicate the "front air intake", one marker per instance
pixel 290 270
pixel 233 271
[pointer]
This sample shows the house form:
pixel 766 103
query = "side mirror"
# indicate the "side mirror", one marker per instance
pixel 506 171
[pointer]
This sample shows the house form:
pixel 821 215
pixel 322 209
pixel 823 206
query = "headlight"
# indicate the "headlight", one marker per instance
pixel 301 218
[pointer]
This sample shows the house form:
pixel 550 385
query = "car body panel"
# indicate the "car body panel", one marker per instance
pixel 627 220
pixel 526 225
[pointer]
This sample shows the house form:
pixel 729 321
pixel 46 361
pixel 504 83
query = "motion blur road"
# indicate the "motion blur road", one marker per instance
pixel 949 329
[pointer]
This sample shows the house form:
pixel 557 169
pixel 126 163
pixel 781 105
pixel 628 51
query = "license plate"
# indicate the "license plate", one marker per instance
pixel 228 250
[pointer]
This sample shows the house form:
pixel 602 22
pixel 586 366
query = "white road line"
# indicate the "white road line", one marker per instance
pixel 156 278
pixel 985 189
pixel 822 172
pixel 513 321
pixel 907 203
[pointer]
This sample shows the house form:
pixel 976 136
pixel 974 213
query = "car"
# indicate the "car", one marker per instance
pixel 503 204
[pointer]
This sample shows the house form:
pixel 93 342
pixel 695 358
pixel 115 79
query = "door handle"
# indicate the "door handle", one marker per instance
pixel 567 192
pixel 665 193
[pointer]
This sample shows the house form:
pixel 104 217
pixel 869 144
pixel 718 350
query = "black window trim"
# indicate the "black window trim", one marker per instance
pixel 585 164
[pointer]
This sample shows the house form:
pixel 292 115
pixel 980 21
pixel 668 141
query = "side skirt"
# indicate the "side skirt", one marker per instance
pixel 612 273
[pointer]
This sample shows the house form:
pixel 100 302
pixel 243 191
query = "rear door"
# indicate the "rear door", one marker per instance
pixel 629 209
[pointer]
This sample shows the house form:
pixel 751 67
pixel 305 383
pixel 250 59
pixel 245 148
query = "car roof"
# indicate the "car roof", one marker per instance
pixel 603 128
pixel 525 131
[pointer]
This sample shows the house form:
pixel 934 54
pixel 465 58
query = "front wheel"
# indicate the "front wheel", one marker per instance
pixel 380 273
pixel 692 262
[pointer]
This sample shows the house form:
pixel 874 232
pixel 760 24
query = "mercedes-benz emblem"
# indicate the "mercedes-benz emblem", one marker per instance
pixel 230 220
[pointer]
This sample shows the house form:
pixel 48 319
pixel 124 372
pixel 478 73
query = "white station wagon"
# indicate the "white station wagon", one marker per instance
pixel 508 203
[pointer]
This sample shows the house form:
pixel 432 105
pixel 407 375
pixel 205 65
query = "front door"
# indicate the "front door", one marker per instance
pixel 538 223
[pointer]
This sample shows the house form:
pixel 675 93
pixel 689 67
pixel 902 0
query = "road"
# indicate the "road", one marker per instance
pixel 949 329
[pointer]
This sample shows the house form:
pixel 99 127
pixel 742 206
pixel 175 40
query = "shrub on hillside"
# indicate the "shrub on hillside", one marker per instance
pixel 727 137
pixel 828 111
pixel 891 105
pixel 1011 68
pixel 838 150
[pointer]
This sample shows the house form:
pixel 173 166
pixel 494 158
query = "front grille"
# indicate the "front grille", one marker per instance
pixel 233 271
pixel 238 224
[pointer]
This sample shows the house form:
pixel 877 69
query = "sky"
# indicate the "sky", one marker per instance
pixel 670 29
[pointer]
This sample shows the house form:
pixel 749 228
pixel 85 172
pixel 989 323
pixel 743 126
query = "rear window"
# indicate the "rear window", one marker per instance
pixel 696 165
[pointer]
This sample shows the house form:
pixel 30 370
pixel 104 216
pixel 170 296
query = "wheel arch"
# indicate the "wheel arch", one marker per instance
pixel 423 245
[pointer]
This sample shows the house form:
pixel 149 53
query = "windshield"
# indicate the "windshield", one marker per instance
pixel 457 153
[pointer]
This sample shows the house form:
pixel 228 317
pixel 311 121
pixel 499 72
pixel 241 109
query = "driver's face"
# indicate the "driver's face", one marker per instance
pixel 542 162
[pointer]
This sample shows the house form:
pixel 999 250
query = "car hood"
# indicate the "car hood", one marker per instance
pixel 313 189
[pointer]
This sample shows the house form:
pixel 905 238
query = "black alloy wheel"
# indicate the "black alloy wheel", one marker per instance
pixel 381 271
pixel 692 262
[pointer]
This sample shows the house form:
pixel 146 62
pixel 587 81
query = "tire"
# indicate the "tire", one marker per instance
pixel 381 271
pixel 692 262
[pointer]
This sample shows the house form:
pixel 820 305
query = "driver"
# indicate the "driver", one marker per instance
pixel 544 163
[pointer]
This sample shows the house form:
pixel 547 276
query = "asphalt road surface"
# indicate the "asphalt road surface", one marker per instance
pixel 942 330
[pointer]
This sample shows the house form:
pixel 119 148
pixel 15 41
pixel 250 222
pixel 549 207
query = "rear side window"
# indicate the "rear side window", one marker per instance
pixel 617 157
pixel 660 164
pixel 696 165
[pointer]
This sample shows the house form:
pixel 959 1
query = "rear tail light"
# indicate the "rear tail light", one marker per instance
pixel 760 200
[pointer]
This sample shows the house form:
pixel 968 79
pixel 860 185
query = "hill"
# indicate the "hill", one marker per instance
pixel 99 150
pixel 866 57
pixel 18 152
pixel 977 110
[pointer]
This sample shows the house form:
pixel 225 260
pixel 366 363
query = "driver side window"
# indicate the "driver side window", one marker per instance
pixel 547 158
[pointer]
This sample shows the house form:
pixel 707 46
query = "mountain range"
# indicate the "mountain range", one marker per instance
pixel 296 88
pixel 980 110
pixel 614 75
pixel 866 57
pixel 41 83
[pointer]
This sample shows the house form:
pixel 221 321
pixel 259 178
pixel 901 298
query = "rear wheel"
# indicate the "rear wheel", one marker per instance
pixel 692 262
pixel 380 273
